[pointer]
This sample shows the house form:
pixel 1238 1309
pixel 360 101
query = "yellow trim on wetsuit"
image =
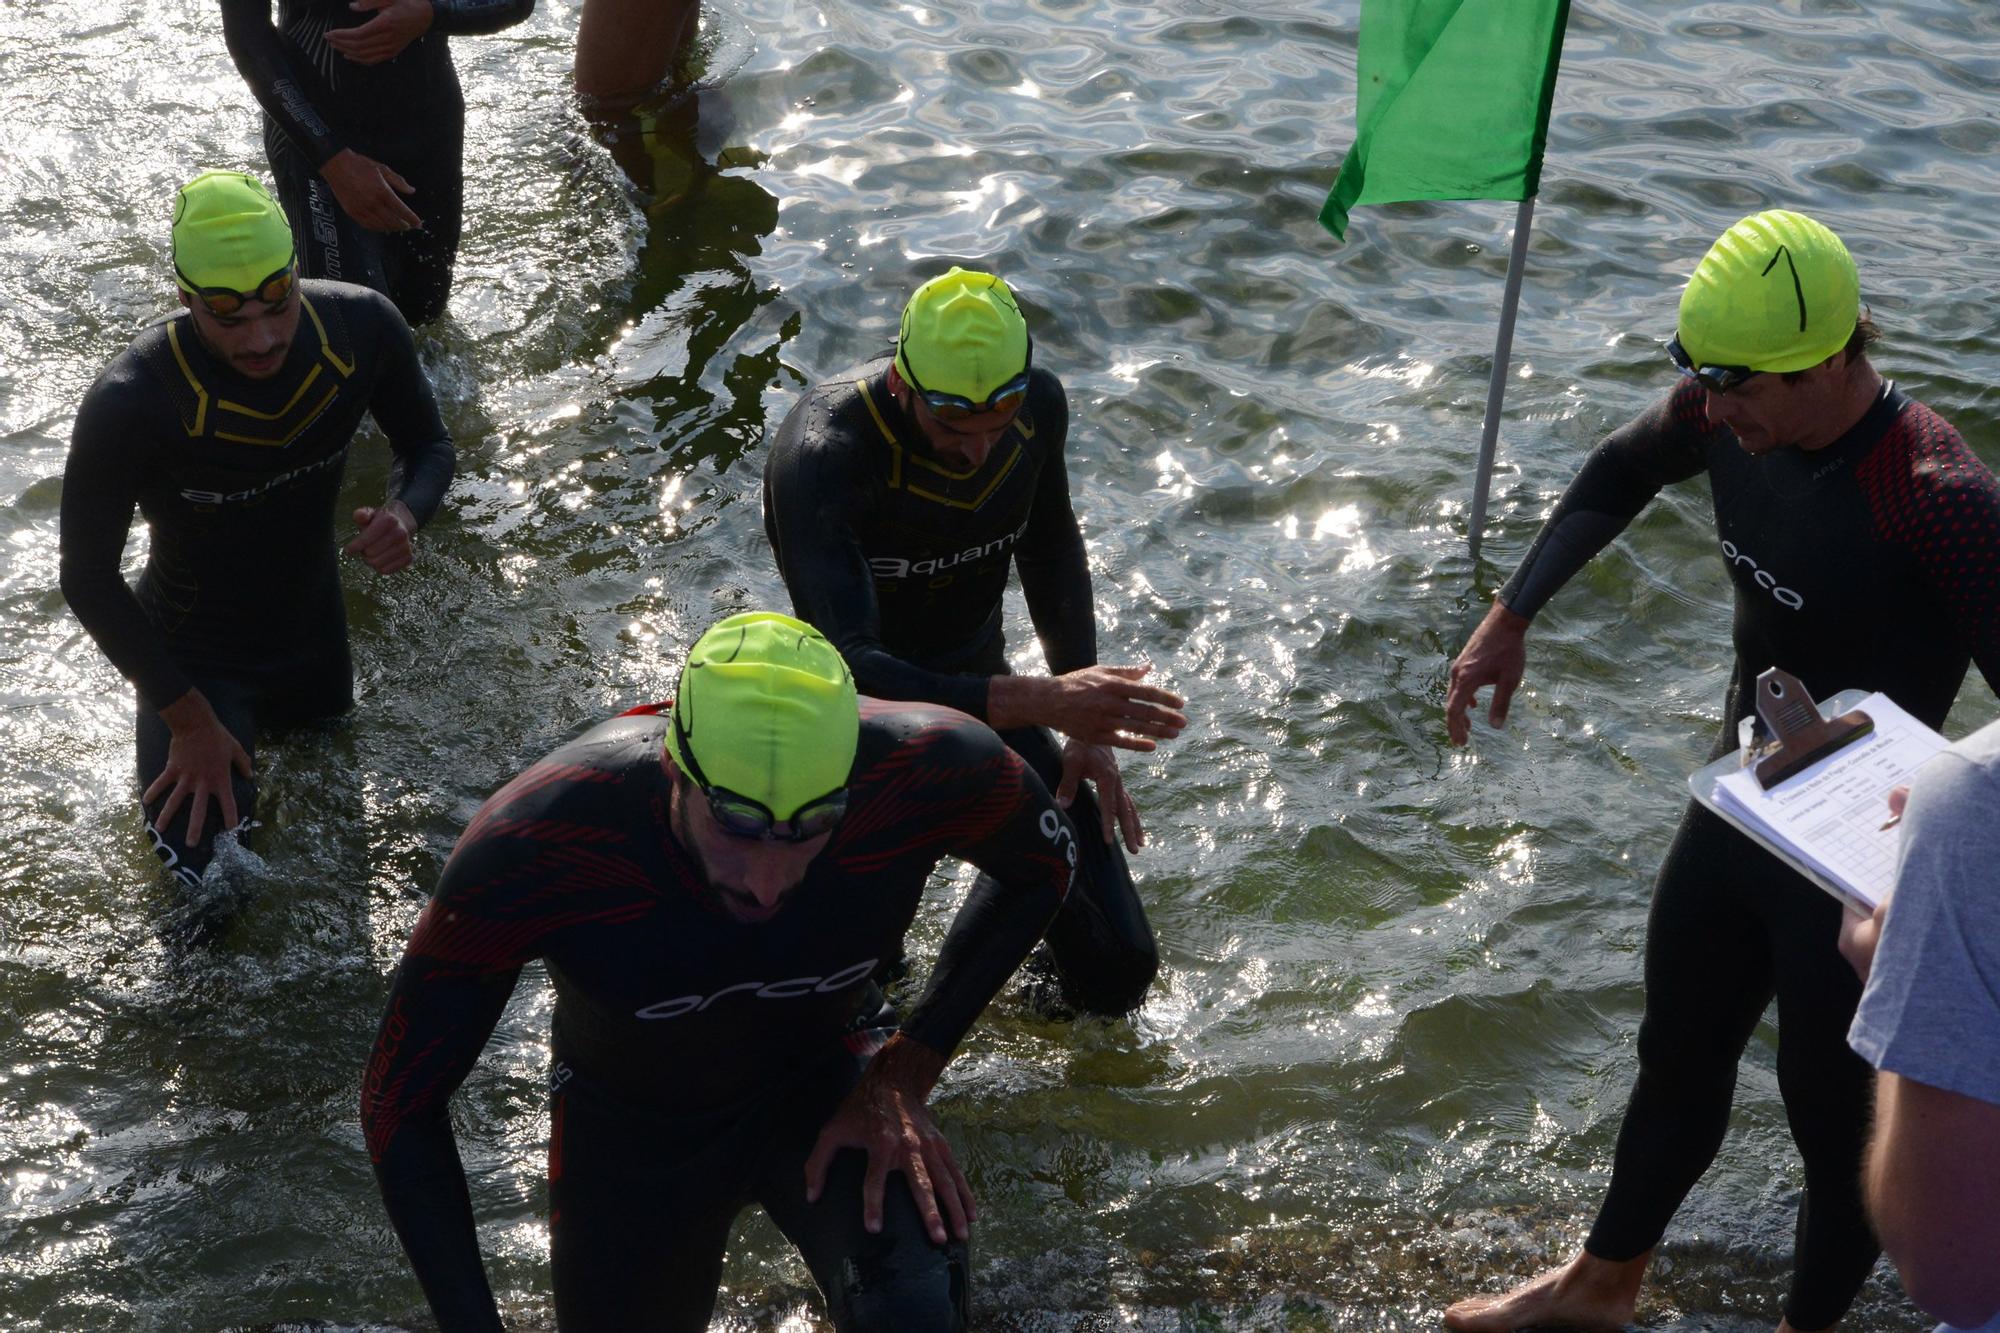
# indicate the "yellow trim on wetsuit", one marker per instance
pixel 896 452
pixel 201 393
pixel 325 343
pixel 289 403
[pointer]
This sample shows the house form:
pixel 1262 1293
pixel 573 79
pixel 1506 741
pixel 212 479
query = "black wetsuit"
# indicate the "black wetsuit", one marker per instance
pixel 696 1057
pixel 238 481
pixel 902 560
pixel 1873 563
pixel 406 113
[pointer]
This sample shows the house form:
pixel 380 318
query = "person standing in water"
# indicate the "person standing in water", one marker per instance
pixel 227 428
pixel 364 126
pixel 898 497
pixel 711 883
pixel 1863 540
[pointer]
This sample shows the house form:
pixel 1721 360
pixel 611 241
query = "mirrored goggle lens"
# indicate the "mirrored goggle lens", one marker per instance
pixel 953 407
pixel 742 817
pixel 222 301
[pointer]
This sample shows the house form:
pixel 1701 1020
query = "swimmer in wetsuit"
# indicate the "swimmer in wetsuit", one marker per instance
pixel 897 497
pixel 711 883
pixel 227 427
pixel 364 126
pixel 1863 538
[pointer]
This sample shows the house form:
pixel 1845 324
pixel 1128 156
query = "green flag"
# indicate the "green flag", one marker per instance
pixel 1453 102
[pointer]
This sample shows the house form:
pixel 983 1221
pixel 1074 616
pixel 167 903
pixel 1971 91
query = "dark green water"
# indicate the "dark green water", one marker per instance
pixel 1394 1031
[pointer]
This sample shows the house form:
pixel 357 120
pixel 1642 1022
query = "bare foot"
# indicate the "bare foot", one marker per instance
pixel 1585 1293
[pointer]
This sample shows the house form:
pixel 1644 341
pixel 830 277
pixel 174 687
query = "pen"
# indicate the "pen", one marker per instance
pixel 1892 822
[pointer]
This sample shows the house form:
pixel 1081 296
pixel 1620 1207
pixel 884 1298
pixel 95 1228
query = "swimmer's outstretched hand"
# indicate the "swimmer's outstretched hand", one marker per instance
pixel 1496 655
pixel 1098 705
pixel 1115 810
pixel 369 192
pixel 885 1116
pixel 396 24
pixel 200 755
pixel 387 542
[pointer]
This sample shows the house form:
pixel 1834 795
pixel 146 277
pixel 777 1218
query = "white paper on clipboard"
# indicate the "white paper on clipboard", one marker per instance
pixel 1829 819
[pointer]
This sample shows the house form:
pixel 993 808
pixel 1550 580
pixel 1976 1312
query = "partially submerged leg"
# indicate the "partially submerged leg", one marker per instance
pixel 627 48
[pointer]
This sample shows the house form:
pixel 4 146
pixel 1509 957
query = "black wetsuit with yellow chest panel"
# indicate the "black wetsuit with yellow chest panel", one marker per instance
pixel 407 113
pixel 901 558
pixel 238 481
pixel 1874 564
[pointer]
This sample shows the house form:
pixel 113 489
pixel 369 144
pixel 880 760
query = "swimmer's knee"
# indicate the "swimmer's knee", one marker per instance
pixel 182 864
pixel 915 1287
pixel 1115 982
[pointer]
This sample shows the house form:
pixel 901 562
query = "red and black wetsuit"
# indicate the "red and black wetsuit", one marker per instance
pixel 406 113
pixel 1873 563
pixel 901 560
pixel 237 480
pixel 696 1057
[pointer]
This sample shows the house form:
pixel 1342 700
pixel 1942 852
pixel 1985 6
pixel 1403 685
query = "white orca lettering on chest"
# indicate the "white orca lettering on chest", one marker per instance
pixel 790 989
pixel 1762 577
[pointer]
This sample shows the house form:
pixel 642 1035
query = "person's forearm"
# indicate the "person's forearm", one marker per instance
pixel 112 616
pixel 1931 1205
pixel 473 18
pixel 880 674
pixel 419 478
pixel 1015 701
pixel 189 713
pixel 424 1191
pixel 1033 857
pixel 1501 617
pixel 908 1065
pixel 290 94
pixel 1062 607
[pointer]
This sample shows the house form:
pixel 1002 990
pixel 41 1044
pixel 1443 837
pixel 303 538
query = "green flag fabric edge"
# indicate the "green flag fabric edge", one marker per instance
pixel 1452 102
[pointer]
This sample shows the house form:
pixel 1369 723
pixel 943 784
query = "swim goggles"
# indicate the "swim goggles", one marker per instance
pixel 956 406
pixel 228 301
pixel 743 816
pixel 1716 379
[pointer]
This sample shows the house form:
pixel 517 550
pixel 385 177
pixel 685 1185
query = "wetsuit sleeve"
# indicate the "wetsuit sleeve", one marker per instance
pixel 454 981
pixel 470 18
pixel 1941 504
pixel 1055 568
pixel 1662 445
pixel 288 88
pixel 815 507
pixel 406 409
pixel 99 494
pixel 1008 826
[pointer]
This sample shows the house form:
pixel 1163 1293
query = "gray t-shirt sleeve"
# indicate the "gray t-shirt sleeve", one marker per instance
pixel 1931 1010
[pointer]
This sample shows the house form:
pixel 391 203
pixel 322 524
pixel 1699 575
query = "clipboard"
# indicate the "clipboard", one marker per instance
pixel 1830 726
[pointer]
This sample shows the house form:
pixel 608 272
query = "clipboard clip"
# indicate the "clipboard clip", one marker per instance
pixel 1803 737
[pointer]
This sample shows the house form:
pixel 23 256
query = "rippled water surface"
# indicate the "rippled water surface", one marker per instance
pixel 1394 1030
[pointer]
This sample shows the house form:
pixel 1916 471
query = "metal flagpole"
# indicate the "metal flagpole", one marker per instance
pixel 1496 388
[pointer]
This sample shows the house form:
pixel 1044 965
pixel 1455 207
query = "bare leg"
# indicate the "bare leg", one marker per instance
pixel 625 48
pixel 1586 1293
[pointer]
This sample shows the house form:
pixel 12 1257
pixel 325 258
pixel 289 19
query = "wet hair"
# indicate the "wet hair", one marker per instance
pixel 1865 334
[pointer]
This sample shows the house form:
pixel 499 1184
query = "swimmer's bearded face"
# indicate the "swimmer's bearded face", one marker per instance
pixel 254 341
pixel 748 878
pixel 966 441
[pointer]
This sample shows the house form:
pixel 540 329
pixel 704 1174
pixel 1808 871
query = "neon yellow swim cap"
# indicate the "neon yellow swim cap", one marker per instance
pixel 1777 292
pixel 228 232
pixel 962 334
pixel 768 706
